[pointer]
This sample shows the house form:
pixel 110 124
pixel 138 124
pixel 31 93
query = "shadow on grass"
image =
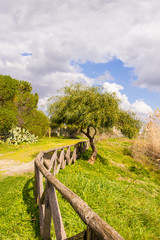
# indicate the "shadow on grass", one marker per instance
pixel 86 155
pixel 32 208
pixel 35 154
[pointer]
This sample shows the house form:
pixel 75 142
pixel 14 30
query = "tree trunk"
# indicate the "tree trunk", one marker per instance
pixel 94 151
pixel 91 140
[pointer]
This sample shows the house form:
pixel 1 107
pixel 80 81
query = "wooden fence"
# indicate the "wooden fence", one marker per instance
pixel 47 165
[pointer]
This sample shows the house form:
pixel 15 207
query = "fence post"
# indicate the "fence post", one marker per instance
pixel 47 217
pixel 68 153
pixel 40 191
pixel 35 183
pixel 56 215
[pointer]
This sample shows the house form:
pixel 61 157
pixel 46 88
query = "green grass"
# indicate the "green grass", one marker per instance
pixel 18 211
pixel 122 191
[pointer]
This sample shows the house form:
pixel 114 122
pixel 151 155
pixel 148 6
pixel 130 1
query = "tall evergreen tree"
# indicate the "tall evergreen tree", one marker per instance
pixel 18 107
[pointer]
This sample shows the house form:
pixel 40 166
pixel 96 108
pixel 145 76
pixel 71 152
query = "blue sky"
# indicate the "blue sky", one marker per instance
pixel 26 54
pixel 125 77
pixel 50 43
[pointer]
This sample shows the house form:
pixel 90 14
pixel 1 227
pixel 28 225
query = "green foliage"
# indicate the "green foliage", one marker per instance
pixel 83 106
pixel 37 124
pixel 129 124
pixel 18 107
pixel 7 120
pixel 24 87
pixel 18 135
pixel 8 87
pixel 25 102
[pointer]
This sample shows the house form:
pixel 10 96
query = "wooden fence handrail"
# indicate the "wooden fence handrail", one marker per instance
pixel 102 229
pixel 59 148
pixel 97 228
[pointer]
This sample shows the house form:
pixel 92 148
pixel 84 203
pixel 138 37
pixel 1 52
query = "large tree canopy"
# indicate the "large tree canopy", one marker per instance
pixel 89 108
pixel 85 108
pixel 18 107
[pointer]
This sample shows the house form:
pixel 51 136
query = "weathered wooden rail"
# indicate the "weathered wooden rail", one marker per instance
pixel 47 165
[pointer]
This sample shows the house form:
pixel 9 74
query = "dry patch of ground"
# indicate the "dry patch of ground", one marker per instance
pixel 121 165
pixel 11 167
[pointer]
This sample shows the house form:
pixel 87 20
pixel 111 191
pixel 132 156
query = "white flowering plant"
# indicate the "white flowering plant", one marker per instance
pixel 18 135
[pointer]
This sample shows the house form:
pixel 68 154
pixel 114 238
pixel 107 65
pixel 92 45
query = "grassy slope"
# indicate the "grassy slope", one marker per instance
pixel 123 192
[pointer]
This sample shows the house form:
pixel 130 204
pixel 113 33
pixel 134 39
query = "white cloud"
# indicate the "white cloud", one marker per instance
pixel 116 88
pixel 139 106
pixel 106 77
pixel 49 85
pixel 112 87
pixel 59 32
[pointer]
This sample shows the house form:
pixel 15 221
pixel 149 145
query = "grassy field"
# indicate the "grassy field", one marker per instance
pixel 124 192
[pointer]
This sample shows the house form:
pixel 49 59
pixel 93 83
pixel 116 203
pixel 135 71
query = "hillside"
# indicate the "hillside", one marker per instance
pixel 124 192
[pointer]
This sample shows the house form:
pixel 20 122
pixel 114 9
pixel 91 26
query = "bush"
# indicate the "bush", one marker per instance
pixel 129 124
pixel 148 143
pixel 37 123
pixel 18 135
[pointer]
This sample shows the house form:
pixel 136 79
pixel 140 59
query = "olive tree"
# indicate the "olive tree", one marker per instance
pixel 87 108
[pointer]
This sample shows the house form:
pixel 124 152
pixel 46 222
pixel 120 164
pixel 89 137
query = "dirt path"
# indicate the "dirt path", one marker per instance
pixel 11 167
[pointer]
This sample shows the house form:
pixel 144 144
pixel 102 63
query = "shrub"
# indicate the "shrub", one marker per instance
pixel 37 123
pixel 148 142
pixel 18 135
pixel 129 124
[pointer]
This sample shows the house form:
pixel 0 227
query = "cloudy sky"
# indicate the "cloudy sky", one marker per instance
pixel 114 43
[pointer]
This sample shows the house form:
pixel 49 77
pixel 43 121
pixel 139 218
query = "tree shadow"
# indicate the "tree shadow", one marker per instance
pixel 32 207
pixel 86 155
pixel 34 155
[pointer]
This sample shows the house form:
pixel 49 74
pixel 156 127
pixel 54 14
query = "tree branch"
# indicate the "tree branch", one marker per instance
pixel 88 132
pixel 95 132
pixel 83 131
